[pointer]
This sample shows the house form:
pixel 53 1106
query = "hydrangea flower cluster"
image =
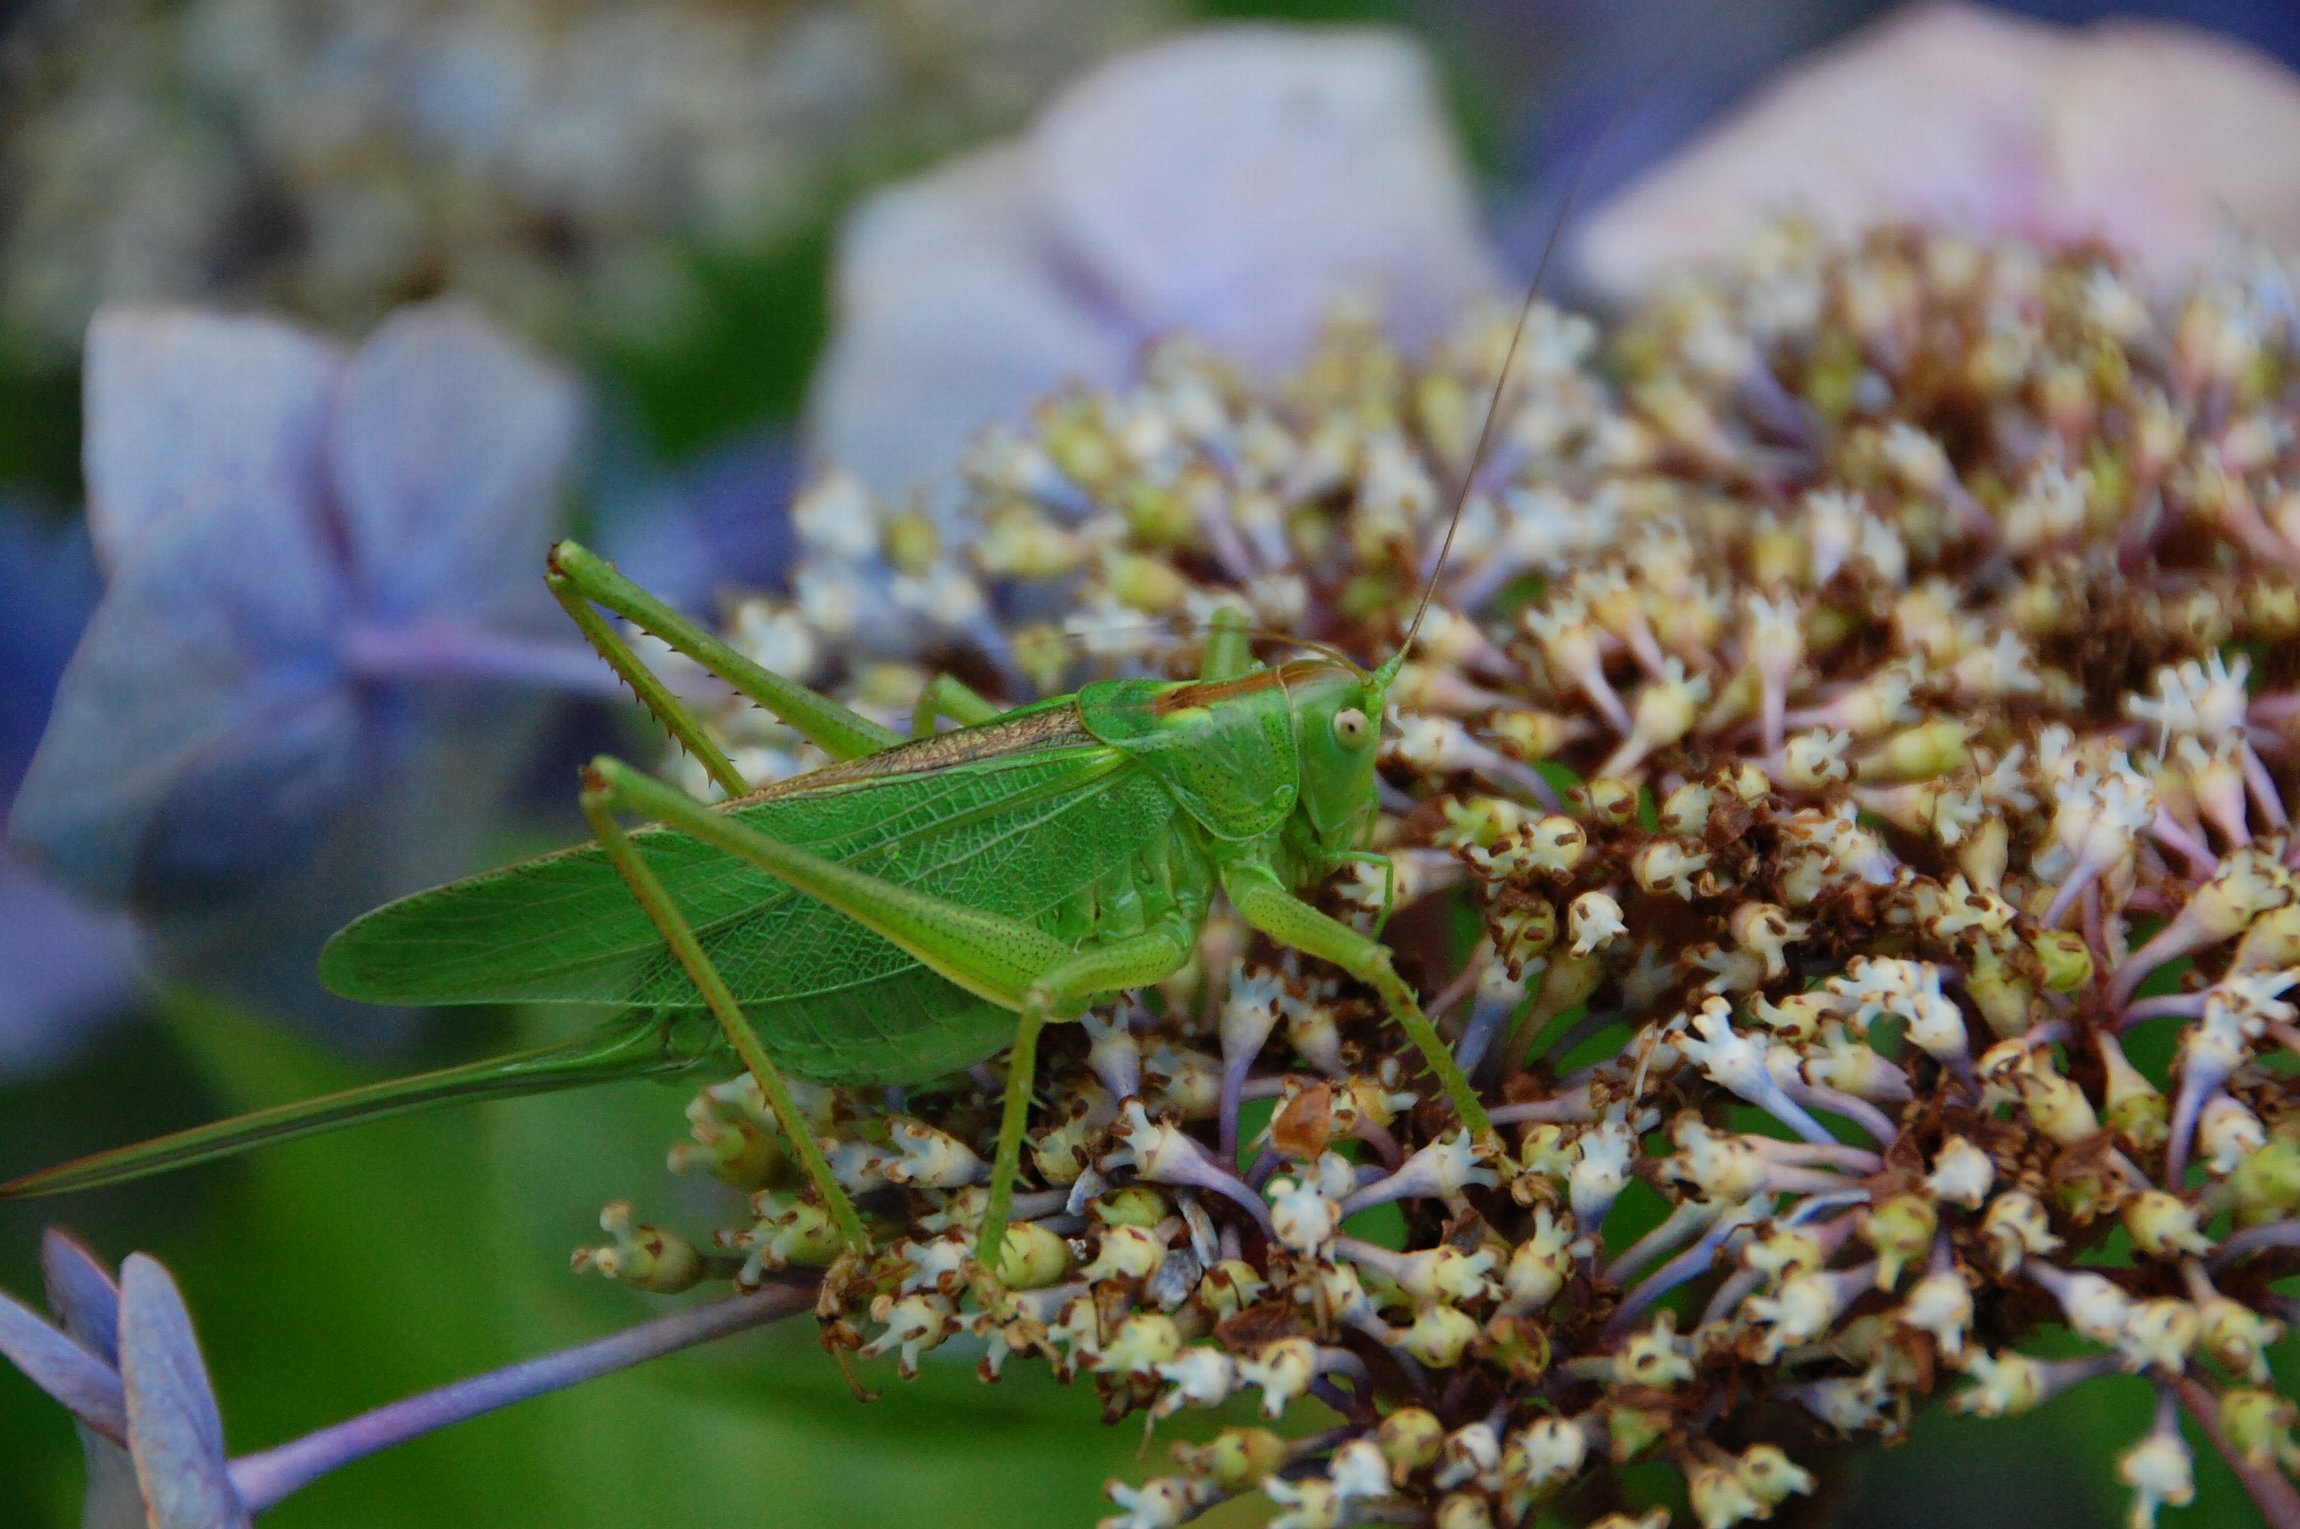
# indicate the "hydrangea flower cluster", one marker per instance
pixel 1844 787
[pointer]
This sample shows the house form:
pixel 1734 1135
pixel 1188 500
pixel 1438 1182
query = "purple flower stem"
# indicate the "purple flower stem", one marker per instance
pixel 2262 785
pixel 1830 1153
pixel 2275 709
pixel 1233 1095
pixel 1837 1102
pixel 1769 1096
pixel 1681 1223
pixel 1738 1287
pixel 2278 1500
pixel 1690 1264
pixel 1565 1109
pixel 1475 1053
pixel 2163 1006
pixel 2079 882
pixel 436 651
pixel 2196 1091
pixel 2178 837
pixel 1377 1136
pixel 2256 1239
pixel 263 1480
pixel 1341 1401
pixel 1259 1170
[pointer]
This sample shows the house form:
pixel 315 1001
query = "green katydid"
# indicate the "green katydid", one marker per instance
pixel 912 909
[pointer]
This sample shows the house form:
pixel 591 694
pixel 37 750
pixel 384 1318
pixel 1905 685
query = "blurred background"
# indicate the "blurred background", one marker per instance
pixel 648 192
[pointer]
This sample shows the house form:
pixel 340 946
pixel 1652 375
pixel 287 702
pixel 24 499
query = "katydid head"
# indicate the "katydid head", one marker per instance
pixel 1337 721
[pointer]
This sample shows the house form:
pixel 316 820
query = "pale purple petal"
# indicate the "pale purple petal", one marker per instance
pixel 2158 138
pixel 175 1432
pixel 87 1387
pixel 446 449
pixel 1234 181
pixel 953 310
pixel 202 417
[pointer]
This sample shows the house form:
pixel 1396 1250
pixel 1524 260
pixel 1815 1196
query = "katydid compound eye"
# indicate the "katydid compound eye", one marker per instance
pixel 1350 726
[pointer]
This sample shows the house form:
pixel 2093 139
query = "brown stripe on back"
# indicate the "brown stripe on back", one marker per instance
pixel 1211 693
pixel 1056 727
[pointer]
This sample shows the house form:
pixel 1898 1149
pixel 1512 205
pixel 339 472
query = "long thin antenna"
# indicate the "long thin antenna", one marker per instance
pixel 1629 104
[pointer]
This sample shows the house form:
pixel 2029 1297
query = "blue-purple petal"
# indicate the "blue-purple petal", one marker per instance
pixel 201 418
pixel 87 1387
pixel 201 729
pixel 48 568
pixel 87 1304
pixel 447 448
pixel 175 1432
pixel 71 967
pixel 82 1295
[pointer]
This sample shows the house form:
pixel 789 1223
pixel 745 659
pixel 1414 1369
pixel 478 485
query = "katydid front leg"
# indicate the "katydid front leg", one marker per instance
pixel 1389 867
pixel 1014 964
pixel 1263 902
pixel 1229 651
pixel 580 579
pixel 946 695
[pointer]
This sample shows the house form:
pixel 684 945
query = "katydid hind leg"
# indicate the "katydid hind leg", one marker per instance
pixel 1265 904
pixel 600 801
pixel 1138 961
pixel 664 1046
pixel 577 574
pixel 1010 962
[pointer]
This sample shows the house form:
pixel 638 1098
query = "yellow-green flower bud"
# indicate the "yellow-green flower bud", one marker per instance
pixel 643 1257
pixel 1462 1510
pixel 1519 1345
pixel 1135 1205
pixel 1631 1431
pixel 2064 958
pixel 2057 1107
pixel 1236 1459
pixel 1926 751
pixel 2002 994
pixel 1901 1230
pixel 2266 1185
pixel 1410 1439
pixel 2163 1225
pixel 1229 1288
pixel 2238 1336
pixel 1612 802
pixel 2259 1424
pixel 2136 1108
pixel 1439 1336
pixel 1032 1257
